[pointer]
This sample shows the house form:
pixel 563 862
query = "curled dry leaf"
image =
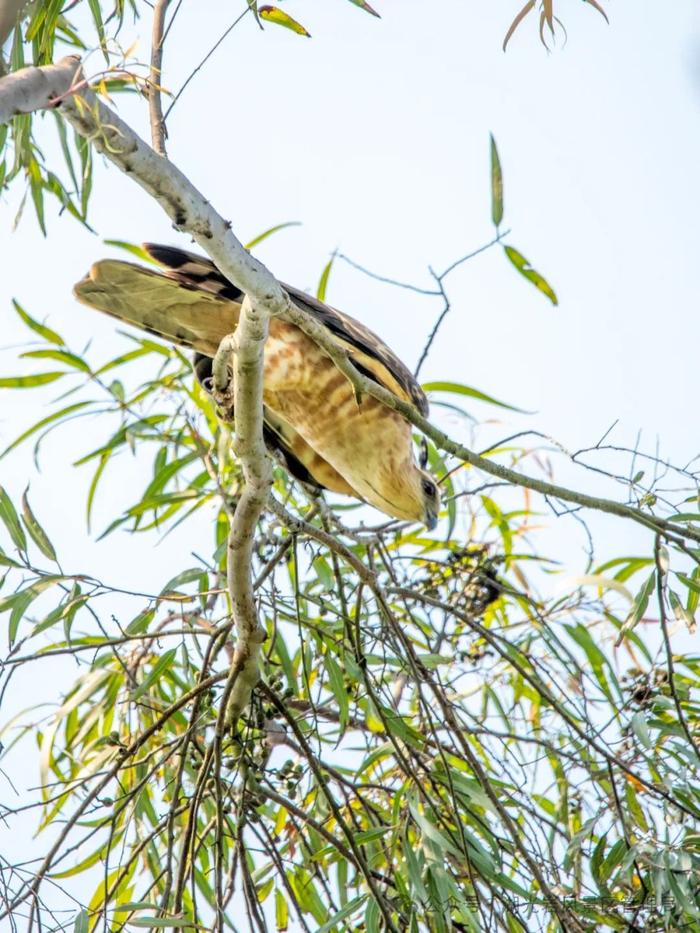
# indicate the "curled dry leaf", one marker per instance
pixel 517 21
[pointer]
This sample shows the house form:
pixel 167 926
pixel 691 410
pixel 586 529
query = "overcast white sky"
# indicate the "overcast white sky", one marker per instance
pixel 374 134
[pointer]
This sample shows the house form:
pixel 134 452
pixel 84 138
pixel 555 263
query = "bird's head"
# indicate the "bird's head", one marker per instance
pixel 410 493
pixel 430 499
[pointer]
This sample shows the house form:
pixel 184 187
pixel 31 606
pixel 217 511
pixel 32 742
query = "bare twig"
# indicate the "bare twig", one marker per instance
pixel 203 62
pixel 440 282
pixel 155 77
pixel 432 292
pixel 436 327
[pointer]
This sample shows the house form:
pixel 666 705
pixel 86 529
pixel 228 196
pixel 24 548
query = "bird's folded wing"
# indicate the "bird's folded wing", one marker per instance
pixel 176 311
pixel 367 351
pixel 195 316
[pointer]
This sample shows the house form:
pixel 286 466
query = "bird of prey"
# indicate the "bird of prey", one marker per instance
pixel 314 421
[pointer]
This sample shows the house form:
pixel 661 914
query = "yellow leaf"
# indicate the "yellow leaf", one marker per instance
pixel 272 14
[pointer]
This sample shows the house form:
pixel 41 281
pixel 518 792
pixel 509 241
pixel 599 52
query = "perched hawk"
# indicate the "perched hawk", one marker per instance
pixel 313 419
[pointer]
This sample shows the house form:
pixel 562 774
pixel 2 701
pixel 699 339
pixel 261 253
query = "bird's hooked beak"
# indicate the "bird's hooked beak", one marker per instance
pixel 431 519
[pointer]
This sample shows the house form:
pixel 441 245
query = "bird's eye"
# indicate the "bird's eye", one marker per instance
pixel 429 488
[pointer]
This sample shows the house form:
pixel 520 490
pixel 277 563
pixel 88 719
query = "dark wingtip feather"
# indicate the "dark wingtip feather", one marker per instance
pixel 193 270
pixel 169 256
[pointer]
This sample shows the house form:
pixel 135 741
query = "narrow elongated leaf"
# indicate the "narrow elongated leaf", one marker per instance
pixel 99 25
pixel 323 281
pixel 266 233
pixel 273 14
pixel 82 922
pixel 517 21
pixel 641 601
pixel 28 382
pixel 21 601
pixel 599 8
pixel 363 5
pixel 496 185
pixel 281 912
pixel 349 908
pixel 526 270
pixel 161 665
pixel 133 905
pixel 92 859
pixel 50 335
pixel 681 613
pixel 164 923
pixel 49 419
pixel 456 388
pixel 641 729
pixel 689 582
pixel 132 248
pixel 337 685
pixel 36 532
pixel 61 356
pixel 10 519
pixel 187 576
pixel 65 612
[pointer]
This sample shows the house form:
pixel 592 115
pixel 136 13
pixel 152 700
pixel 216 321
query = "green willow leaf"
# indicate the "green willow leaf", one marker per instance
pixel 61 356
pixel 496 185
pixel 132 248
pixel 57 416
pixel 186 576
pixel 266 233
pixel 526 270
pixel 50 335
pixel 457 388
pixel 28 382
pixel 10 518
pixel 161 665
pixel 164 923
pixel 337 685
pixel 36 532
pixel 281 911
pixel 641 601
pixel 323 281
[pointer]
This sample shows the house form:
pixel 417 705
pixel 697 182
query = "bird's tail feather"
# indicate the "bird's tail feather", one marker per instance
pixel 175 306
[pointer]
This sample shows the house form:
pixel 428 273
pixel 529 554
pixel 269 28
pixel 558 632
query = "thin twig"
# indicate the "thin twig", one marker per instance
pixel 387 281
pixel 155 78
pixel 203 62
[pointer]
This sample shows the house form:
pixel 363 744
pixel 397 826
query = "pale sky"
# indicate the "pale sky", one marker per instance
pixel 374 134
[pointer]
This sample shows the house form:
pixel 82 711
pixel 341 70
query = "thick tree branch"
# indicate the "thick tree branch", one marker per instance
pixel 247 349
pixel 31 89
